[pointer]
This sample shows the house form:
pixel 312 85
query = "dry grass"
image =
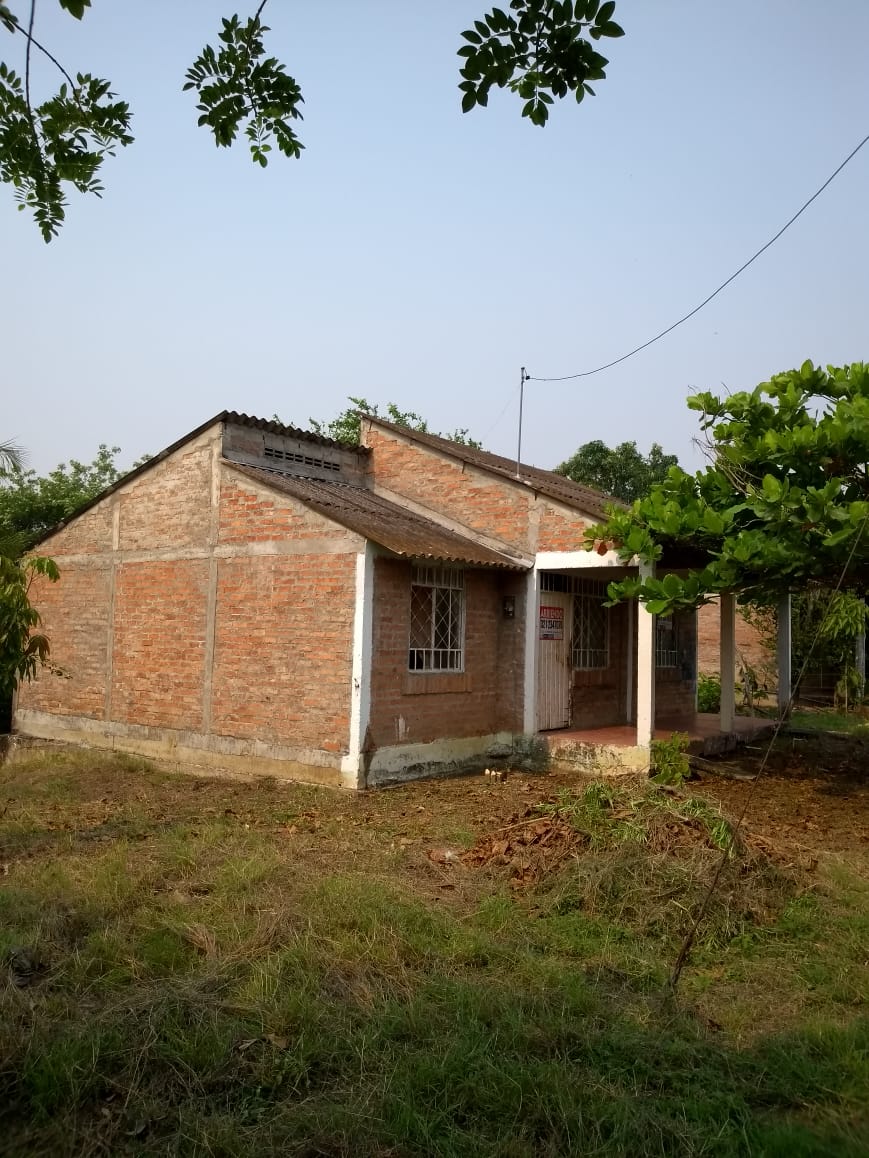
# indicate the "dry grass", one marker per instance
pixel 200 967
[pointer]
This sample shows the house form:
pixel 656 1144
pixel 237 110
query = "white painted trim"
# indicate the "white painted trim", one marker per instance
pixel 360 679
pixel 645 668
pixel 555 560
pixel 727 659
pixel 532 601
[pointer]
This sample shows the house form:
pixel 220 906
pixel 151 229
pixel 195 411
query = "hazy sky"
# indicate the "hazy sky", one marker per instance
pixel 420 256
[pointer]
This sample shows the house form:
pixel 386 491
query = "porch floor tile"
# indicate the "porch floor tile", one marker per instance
pixel 700 728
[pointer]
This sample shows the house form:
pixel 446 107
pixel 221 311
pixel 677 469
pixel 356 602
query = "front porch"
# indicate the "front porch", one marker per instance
pixel 617 679
pixel 615 749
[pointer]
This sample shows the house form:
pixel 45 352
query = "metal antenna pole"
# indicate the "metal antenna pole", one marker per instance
pixel 523 378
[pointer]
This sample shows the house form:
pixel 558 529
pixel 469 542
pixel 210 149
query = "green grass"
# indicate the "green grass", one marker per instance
pixel 211 983
pixel 851 723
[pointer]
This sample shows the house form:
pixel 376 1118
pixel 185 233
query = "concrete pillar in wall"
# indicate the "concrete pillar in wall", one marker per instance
pixel 645 668
pixel 727 660
pixel 783 654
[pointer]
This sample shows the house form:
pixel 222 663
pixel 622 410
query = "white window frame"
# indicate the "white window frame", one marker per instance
pixel 448 587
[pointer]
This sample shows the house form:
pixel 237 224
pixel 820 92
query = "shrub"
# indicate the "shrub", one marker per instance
pixel 708 693
pixel 669 762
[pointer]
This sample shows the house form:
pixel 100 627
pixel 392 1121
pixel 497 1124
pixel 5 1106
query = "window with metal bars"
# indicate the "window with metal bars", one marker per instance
pixel 437 619
pixel 591 627
pixel 666 643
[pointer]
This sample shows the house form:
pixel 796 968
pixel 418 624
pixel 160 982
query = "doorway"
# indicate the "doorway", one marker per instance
pixel 554 669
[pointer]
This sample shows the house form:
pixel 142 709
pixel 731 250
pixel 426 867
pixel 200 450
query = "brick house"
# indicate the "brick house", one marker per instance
pixel 260 598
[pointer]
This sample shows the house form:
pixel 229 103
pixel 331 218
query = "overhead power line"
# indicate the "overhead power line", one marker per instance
pixel 716 292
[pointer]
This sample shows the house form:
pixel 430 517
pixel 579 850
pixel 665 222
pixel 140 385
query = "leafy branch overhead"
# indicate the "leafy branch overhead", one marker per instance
pixel 239 84
pixel 783 504
pixel 540 49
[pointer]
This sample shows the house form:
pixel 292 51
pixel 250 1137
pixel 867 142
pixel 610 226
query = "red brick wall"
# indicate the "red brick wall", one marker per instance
pixel 749 647
pixel 472 497
pixel 560 529
pixel 159 643
pixel 417 707
pixel 170 504
pixel 75 616
pixel 283 649
pixel 250 514
pixel 90 532
pixel 283 613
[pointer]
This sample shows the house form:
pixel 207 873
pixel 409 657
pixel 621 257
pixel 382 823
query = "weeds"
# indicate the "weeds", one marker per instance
pixel 669 762
pixel 218 985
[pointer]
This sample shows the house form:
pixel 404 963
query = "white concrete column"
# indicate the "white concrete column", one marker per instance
pixel 352 769
pixel 727 660
pixel 645 668
pixel 532 616
pixel 783 653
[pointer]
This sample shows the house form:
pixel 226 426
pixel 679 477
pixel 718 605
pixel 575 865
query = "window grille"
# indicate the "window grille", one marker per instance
pixel 591 622
pixel 666 643
pixel 590 643
pixel 437 619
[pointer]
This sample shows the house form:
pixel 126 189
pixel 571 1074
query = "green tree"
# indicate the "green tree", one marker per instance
pixel 31 504
pixel 23 647
pixel 783 504
pixel 619 471
pixel 347 426
pixel 538 49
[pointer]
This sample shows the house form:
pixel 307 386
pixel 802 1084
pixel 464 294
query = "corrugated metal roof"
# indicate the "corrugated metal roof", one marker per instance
pixel 279 428
pixel 545 482
pixel 383 522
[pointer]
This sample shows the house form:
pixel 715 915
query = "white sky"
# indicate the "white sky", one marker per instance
pixel 420 256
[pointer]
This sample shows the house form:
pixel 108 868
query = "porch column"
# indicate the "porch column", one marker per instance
pixel 645 667
pixel 532 620
pixel 783 654
pixel 727 660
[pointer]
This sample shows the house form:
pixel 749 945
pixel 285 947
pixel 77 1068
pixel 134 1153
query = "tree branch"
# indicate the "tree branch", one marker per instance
pixel 27 64
pixel 31 39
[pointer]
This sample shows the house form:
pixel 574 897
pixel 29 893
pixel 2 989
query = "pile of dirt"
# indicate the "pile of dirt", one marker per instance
pixel 642 857
pixel 536 842
pixel 530 846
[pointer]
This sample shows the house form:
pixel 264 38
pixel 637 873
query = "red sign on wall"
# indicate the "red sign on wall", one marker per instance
pixel 551 622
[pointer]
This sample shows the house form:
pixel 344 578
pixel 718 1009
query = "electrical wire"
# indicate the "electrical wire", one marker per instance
pixel 715 293
pixel 506 407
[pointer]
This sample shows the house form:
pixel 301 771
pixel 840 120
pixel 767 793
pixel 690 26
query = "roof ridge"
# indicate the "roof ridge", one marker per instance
pixel 507 468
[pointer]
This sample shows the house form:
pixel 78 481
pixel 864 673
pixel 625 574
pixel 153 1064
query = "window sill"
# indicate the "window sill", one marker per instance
pixel 430 683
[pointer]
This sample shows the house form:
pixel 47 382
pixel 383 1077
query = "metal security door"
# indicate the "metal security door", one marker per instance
pixel 553 660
